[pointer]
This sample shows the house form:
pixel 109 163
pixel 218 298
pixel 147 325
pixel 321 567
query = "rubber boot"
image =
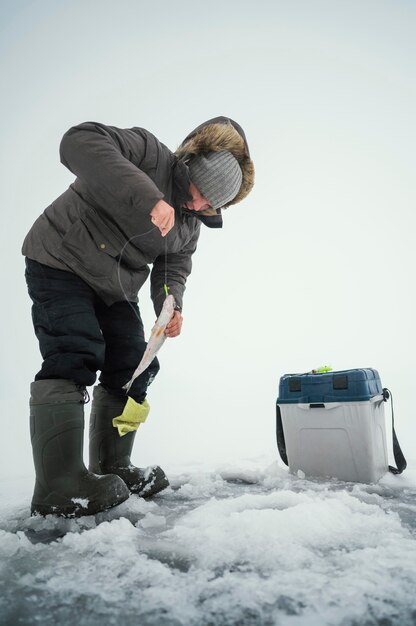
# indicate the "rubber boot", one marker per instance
pixel 63 485
pixel 110 453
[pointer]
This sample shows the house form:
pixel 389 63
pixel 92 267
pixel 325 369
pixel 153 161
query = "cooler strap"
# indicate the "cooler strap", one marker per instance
pixel 397 451
pixel 280 436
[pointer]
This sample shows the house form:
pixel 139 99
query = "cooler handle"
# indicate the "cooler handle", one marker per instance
pixel 319 405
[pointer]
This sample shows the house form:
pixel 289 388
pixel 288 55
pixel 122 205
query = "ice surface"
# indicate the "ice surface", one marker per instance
pixel 247 545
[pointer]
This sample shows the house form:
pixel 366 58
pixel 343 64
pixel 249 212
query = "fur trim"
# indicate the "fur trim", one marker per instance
pixel 215 138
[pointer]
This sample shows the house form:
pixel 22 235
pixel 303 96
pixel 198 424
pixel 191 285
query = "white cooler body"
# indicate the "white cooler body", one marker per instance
pixel 344 440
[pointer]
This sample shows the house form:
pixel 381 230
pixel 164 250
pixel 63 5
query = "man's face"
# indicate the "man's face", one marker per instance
pixel 198 202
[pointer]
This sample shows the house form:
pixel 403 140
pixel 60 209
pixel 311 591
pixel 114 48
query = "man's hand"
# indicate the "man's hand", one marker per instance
pixel 173 329
pixel 163 216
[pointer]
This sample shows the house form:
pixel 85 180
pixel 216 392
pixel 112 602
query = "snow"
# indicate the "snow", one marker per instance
pixel 83 502
pixel 246 543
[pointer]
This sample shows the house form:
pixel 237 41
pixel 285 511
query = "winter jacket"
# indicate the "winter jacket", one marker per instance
pixel 100 227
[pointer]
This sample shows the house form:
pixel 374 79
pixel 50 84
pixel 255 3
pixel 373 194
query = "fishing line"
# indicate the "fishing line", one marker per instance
pixel 166 288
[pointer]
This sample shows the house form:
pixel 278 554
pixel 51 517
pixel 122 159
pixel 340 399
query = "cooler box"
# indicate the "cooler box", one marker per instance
pixel 332 424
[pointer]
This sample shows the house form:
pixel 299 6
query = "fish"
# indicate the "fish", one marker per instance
pixel 156 340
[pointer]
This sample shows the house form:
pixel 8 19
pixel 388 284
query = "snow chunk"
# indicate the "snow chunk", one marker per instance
pixel 152 521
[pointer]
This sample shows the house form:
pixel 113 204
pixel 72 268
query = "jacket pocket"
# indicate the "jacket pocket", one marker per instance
pixel 132 255
pixel 98 259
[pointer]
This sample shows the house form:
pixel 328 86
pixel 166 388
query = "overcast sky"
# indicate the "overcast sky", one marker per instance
pixel 315 267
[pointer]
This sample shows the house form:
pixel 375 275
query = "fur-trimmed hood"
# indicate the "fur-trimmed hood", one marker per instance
pixel 215 135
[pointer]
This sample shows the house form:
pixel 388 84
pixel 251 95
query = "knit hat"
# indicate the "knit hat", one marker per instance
pixel 217 175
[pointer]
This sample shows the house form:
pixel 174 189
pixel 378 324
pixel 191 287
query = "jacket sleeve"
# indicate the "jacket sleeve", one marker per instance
pixel 107 160
pixel 179 266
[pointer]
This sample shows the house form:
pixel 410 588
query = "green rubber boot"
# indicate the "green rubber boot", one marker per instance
pixel 110 453
pixel 63 485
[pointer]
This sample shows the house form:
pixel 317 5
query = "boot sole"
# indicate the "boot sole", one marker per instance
pixel 75 509
pixel 151 487
pixel 151 490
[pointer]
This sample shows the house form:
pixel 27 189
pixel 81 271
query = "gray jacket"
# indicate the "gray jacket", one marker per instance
pixel 100 227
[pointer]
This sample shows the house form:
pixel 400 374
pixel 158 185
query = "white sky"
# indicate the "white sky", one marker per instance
pixel 315 267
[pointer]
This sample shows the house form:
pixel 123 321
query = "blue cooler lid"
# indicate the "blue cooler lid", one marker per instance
pixel 342 386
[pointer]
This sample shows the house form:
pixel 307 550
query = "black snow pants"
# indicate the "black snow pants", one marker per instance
pixel 79 334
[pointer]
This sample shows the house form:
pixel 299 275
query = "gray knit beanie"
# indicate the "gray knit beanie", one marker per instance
pixel 217 175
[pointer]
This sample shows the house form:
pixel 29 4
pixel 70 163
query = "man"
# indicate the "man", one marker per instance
pixel 133 203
